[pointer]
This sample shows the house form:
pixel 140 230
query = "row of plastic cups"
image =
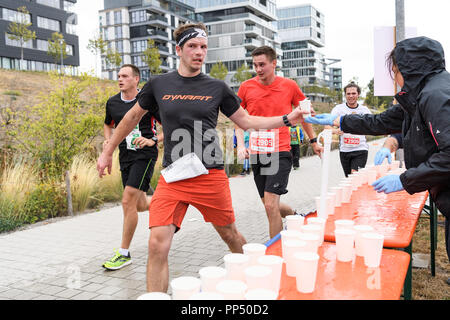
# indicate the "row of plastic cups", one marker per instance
pixel 361 240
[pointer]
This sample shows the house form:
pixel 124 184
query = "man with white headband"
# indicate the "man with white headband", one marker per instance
pixel 188 103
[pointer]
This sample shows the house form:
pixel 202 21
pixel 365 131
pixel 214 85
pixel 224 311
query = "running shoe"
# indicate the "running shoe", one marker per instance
pixel 118 261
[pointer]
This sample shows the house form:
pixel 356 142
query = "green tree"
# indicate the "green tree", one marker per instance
pixel 380 102
pixel 18 30
pixel 63 124
pixel 152 58
pixel 57 48
pixel 98 48
pixel 219 71
pixel 113 58
pixel 242 73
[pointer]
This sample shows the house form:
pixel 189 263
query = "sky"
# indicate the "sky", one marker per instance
pixel 349 28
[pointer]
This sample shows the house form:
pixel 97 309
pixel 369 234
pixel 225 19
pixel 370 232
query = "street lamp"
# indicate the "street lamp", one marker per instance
pixel 61 41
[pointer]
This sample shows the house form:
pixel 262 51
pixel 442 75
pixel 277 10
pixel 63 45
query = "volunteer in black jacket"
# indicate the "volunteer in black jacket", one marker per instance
pixel 423 117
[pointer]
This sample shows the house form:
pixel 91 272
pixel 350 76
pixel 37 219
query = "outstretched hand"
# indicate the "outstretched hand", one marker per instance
pixel 388 184
pixel 325 119
pixel 381 154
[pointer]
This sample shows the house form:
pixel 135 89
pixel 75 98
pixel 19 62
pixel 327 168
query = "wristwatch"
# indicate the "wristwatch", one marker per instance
pixel 155 138
pixel 286 121
pixel 313 140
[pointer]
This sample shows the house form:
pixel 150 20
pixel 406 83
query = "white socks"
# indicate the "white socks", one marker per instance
pixel 124 252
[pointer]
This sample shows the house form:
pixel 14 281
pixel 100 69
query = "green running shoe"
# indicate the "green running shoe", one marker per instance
pixel 118 261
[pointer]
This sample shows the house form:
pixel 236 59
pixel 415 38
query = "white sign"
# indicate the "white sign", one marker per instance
pixel 384 42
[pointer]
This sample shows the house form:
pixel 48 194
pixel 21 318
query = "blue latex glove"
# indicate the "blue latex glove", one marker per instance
pixel 325 119
pixel 381 154
pixel 388 184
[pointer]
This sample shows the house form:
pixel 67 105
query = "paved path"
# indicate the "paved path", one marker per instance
pixel 62 260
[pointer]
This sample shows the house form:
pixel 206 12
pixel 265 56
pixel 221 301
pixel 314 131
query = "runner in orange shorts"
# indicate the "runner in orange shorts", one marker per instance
pixel 188 103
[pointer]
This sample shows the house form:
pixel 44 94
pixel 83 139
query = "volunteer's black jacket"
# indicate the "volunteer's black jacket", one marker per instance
pixel 422 116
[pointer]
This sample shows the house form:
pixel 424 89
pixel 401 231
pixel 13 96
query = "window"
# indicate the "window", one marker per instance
pixel 49 24
pixel 118 32
pixel 69 49
pixel 16 43
pixel 117 17
pixel 69 6
pixel 138 16
pixel 119 46
pixel 50 3
pixel 42 45
pixel 71 28
pixel 15 16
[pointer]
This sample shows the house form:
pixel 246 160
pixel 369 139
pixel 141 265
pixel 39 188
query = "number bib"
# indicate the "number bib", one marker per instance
pixel 262 141
pixel 351 140
pixel 136 133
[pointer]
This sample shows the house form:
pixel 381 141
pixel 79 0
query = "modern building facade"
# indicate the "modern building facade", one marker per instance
pixel 47 17
pixel 302 32
pixel 126 25
pixel 236 28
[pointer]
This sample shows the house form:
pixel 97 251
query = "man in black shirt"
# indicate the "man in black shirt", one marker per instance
pixel 188 103
pixel 137 156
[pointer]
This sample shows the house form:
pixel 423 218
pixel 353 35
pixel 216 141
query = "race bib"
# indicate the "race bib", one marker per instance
pixel 351 140
pixel 136 133
pixel 262 141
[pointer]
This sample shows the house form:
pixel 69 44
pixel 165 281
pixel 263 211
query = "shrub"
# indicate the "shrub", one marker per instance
pixel 84 182
pixel 110 187
pixel 47 200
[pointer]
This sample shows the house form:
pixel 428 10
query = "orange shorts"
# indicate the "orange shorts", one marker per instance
pixel 209 193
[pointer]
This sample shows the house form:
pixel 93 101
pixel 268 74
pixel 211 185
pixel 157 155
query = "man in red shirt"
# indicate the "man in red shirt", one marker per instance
pixel 268 95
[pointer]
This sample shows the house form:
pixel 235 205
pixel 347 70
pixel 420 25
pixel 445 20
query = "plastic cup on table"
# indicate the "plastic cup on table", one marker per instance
pixel 344 224
pixel 258 277
pixel 347 190
pixel 338 199
pixel 360 228
pixel 373 247
pixel 321 223
pixel 294 222
pixel 276 264
pixel 210 276
pixel 288 235
pixel 261 294
pixel 307 264
pixel 235 263
pixel 372 176
pixel 185 287
pixel 345 240
pixel 331 201
pixel 363 172
pixel 312 241
pixel 291 247
pixel 207 296
pixel 254 251
pixel 317 200
pixel 232 289
pixel 311 228
pixel 154 296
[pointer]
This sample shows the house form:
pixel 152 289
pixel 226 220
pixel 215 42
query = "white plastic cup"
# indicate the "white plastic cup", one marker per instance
pixel 258 277
pixel 154 296
pixel 344 224
pixel 305 105
pixel 321 223
pixel 338 199
pixel 360 228
pixel 294 222
pixel 292 246
pixel 373 247
pixel 208 296
pixel 210 277
pixel 276 264
pixel 310 228
pixel 288 235
pixel 232 289
pixel 346 192
pixel 317 200
pixel 312 241
pixel 363 175
pixel 331 200
pixel 372 175
pixel 254 251
pixel 345 240
pixel 261 294
pixel 185 287
pixel 235 264
pixel 306 264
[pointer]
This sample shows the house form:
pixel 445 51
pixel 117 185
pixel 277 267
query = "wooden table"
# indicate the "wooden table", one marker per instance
pixel 348 280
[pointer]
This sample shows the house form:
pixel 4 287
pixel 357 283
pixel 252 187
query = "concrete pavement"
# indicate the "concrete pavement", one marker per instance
pixel 62 259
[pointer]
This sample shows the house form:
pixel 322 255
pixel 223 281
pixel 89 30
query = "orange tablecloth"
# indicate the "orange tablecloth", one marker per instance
pixel 395 215
pixel 348 280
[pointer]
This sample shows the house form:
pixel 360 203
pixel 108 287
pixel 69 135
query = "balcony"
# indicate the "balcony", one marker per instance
pixel 158 34
pixel 163 50
pixel 157 20
pixel 252 31
pixel 251 44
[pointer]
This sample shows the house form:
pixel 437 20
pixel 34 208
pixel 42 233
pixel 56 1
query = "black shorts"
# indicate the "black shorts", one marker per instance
pixel 353 160
pixel 138 174
pixel 271 172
